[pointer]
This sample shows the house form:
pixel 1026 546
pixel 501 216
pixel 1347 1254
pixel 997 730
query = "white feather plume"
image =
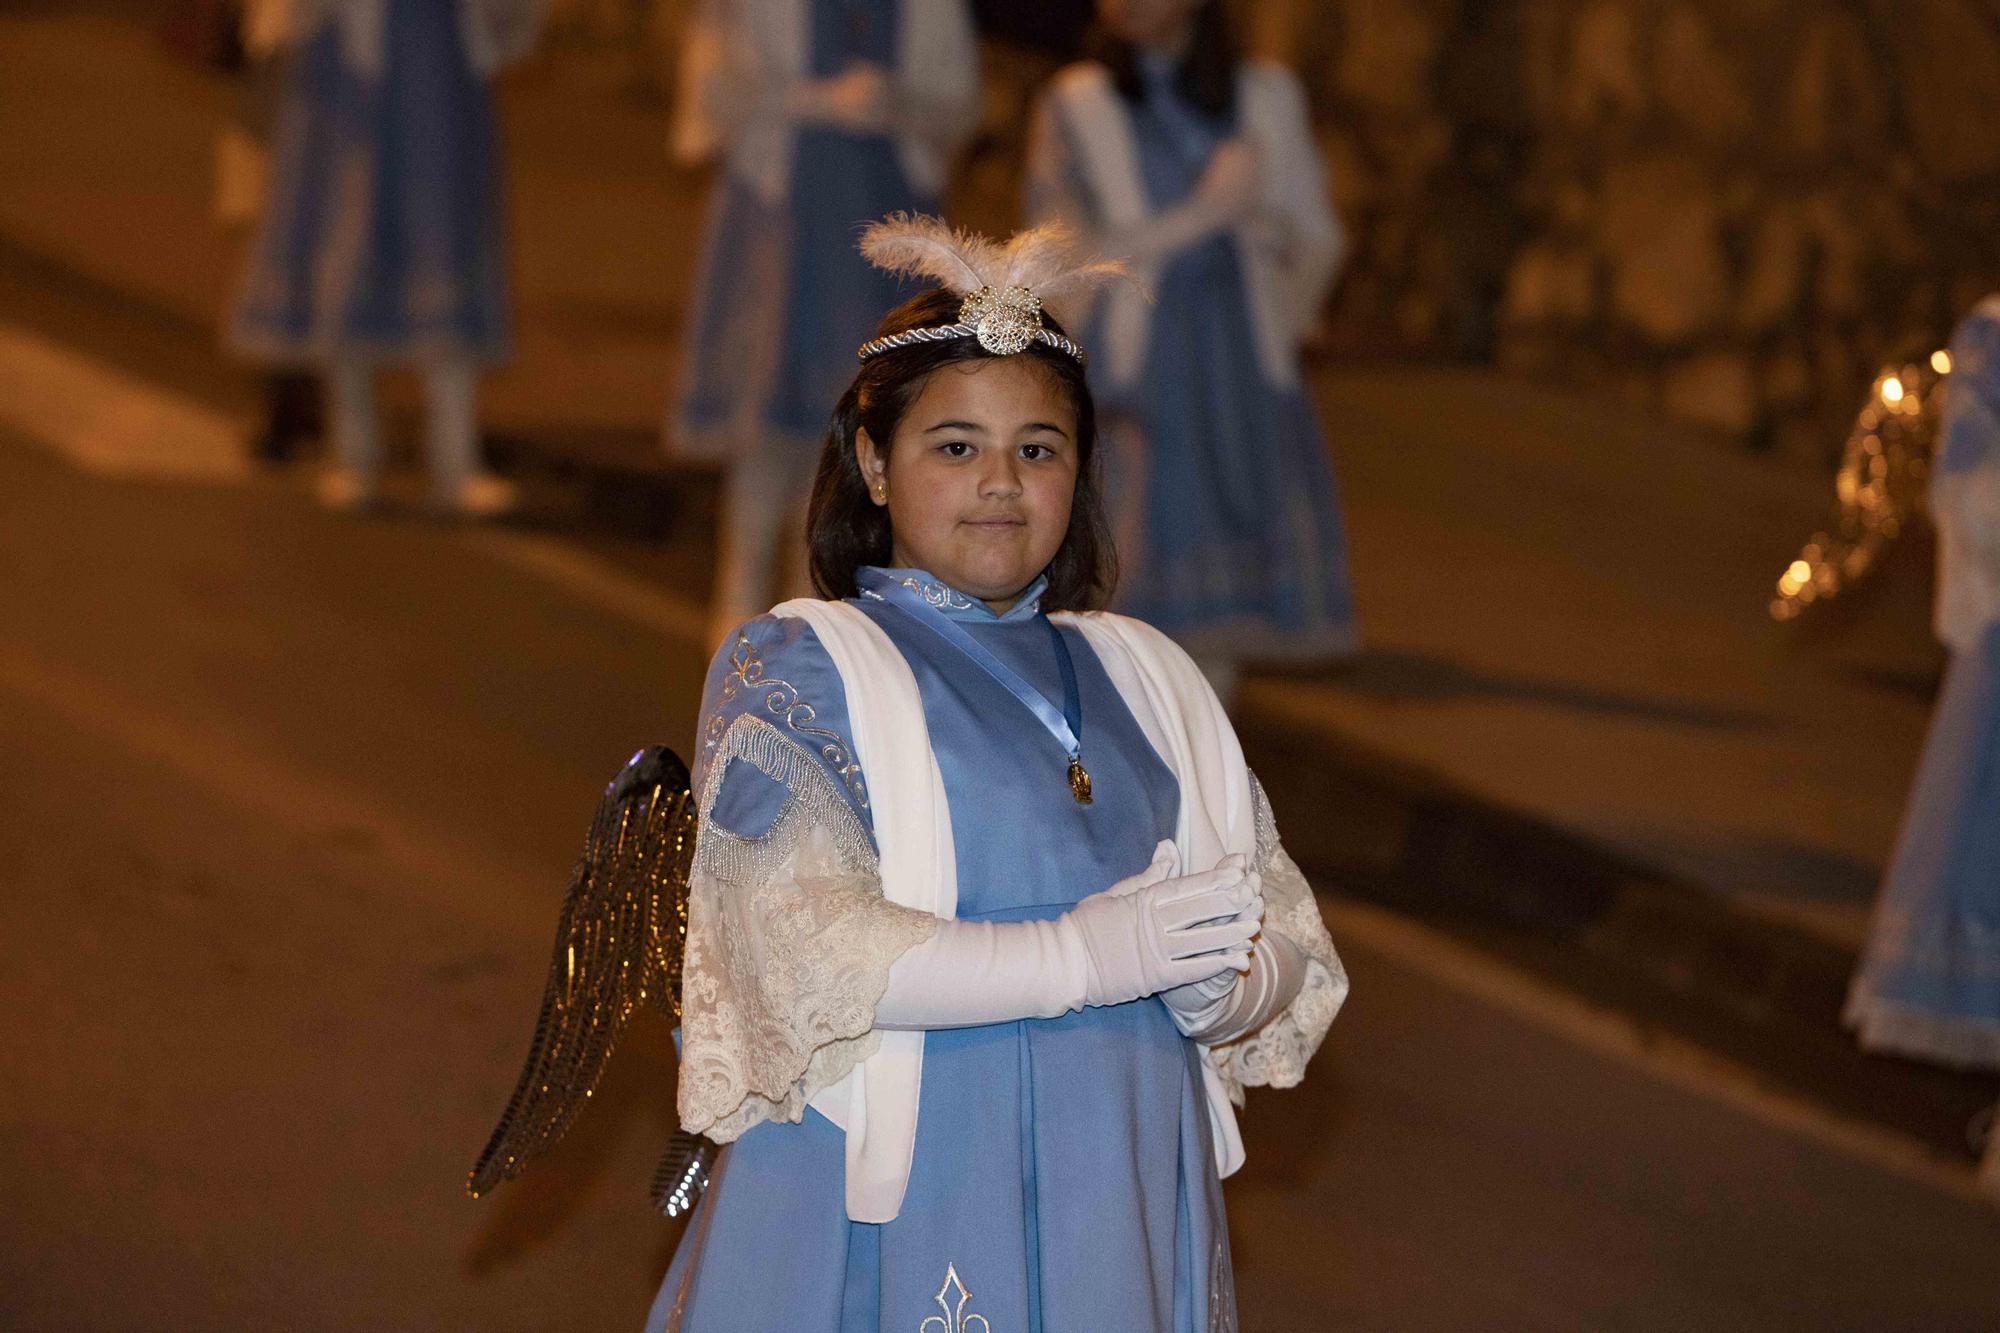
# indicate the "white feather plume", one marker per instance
pixel 925 247
pixel 1049 261
pixel 1044 259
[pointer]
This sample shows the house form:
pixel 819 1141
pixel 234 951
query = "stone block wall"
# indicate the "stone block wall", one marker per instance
pixel 1733 210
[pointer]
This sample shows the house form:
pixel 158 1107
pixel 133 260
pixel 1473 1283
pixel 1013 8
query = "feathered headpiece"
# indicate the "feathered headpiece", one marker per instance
pixel 1004 284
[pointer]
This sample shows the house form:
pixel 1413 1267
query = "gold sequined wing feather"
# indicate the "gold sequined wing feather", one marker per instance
pixel 619 942
pixel 1882 486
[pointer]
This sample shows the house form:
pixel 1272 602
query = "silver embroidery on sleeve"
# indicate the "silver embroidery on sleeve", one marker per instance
pixel 955 1319
pixel 781 700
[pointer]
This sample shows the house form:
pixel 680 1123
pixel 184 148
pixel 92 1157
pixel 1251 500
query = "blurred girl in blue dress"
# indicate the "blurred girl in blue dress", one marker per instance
pixel 1201 170
pixel 989 924
pixel 382 244
pixel 1929 982
pixel 825 114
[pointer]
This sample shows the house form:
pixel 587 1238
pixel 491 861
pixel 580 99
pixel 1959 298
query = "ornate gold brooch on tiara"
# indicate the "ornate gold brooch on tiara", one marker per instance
pixel 1006 321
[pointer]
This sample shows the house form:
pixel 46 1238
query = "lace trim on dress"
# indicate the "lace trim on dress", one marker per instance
pixel 782 700
pixel 1275 1055
pixel 789 945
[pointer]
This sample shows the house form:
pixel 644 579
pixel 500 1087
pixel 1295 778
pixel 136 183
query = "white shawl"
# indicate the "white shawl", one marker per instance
pixel 876 1103
pixel 1290 249
pixel 791 933
pixel 733 45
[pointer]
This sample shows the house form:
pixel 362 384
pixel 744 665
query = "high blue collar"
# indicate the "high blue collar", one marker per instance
pixel 958 606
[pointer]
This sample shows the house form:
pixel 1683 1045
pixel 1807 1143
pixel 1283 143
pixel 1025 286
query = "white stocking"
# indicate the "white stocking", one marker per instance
pixel 451 431
pixel 760 537
pixel 356 425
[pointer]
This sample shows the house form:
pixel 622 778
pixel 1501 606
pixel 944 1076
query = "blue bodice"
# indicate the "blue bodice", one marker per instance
pixel 1025 848
pixel 1063 1168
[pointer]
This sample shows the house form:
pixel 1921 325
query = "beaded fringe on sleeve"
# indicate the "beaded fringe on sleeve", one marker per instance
pixel 789 946
pixel 1275 1055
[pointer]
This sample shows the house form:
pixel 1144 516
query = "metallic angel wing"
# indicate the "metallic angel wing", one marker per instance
pixel 1881 487
pixel 683 1172
pixel 619 942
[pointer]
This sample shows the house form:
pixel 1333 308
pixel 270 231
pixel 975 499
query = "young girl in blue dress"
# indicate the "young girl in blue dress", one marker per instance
pixel 989 924
pixel 1203 173
pixel 382 242
pixel 1929 982
pixel 825 114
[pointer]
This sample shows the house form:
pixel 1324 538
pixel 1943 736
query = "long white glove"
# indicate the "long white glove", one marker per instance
pixel 1229 1006
pixel 1173 933
pixel 1145 934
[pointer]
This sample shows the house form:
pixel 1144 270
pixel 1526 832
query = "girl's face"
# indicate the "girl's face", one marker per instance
pixel 979 477
pixel 1147 22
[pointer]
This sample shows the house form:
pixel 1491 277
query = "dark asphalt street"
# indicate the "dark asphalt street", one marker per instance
pixel 286 807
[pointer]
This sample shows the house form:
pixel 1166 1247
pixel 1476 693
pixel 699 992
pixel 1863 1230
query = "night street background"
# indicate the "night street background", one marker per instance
pixel 287 805
pixel 287 801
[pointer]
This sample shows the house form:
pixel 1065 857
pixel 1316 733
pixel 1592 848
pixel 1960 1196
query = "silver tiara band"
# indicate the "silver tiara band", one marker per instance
pixel 946 332
pixel 1004 321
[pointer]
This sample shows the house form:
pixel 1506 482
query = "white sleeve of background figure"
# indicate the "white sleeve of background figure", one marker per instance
pixel 716 84
pixel 1053 188
pixel 1311 244
pixel 939 93
pixel 1055 192
pixel 499 32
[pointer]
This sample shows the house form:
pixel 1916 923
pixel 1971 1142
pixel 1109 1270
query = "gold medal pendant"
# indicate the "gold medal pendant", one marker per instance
pixel 1079 782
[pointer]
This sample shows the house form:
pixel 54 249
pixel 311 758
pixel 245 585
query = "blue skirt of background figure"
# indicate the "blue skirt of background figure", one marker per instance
pixel 1929 982
pixel 1235 546
pixel 784 297
pixel 382 241
pixel 782 300
pixel 1227 512
pixel 1064 1168
pixel 383 234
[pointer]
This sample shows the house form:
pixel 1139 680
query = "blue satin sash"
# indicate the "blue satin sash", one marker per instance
pixel 1065 725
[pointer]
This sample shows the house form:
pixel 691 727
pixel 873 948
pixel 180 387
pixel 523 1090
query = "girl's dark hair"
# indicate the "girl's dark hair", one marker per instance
pixel 1207 75
pixel 846 530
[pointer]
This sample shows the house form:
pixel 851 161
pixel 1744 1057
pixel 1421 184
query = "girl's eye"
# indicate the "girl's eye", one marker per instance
pixel 955 448
pixel 1034 452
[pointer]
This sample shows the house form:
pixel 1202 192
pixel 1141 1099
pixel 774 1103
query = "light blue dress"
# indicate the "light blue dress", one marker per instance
pixel 1929 981
pixel 1239 549
pixel 1064 1168
pixel 783 297
pixel 383 235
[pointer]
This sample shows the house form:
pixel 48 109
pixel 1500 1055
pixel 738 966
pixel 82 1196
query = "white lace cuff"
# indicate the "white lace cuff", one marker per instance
pixel 789 945
pixel 1275 1054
